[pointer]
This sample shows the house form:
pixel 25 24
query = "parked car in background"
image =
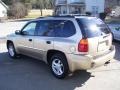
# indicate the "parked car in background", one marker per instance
pixel 112 14
pixel 65 43
pixel 115 29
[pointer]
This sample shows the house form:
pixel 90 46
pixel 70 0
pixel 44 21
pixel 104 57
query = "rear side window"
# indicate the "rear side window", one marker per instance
pixel 92 27
pixel 64 28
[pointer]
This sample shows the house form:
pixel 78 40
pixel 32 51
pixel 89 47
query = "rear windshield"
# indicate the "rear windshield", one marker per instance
pixel 92 27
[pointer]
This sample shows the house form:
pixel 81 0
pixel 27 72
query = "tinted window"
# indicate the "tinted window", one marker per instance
pixel 64 28
pixel 30 28
pixel 92 27
pixel 45 28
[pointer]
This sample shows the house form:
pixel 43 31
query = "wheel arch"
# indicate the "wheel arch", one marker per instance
pixel 9 41
pixel 50 53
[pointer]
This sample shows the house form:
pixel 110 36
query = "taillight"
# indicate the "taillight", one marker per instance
pixel 83 45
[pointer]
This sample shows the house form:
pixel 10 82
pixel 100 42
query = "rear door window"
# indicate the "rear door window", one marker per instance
pixel 64 28
pixel 45 28
pixel 92 27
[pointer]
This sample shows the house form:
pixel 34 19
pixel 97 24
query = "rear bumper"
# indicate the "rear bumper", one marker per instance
pixel 78 62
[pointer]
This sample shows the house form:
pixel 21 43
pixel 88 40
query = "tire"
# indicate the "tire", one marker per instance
pixel 59 66
pixel 11 50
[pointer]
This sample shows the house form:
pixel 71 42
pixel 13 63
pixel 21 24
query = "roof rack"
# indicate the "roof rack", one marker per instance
pixel 56 16
pixel 73 15
pixel 70 15
pixel 65 15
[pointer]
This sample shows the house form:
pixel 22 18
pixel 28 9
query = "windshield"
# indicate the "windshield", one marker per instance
pixel 92 27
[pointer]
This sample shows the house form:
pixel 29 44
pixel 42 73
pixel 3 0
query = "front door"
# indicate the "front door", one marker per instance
pixel 26 41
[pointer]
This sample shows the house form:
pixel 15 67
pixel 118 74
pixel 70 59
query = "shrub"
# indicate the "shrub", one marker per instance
pixel 17 10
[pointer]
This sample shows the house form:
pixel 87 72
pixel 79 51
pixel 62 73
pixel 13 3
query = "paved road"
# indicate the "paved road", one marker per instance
pixel 30 74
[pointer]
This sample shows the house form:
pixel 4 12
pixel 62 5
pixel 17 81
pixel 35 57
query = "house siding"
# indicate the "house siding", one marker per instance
pixel 80 6
pixel 3 11
pixel 99 4
pixel 94 6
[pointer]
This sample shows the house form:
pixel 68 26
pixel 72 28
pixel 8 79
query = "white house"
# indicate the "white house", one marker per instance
pixel 79 6
pixel 3 10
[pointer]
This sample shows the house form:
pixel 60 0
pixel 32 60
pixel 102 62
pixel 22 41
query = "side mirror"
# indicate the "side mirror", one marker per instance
pixel 17 32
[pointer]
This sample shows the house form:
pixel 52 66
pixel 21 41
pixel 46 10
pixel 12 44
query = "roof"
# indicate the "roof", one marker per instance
pixel 62 17
pixel 4 4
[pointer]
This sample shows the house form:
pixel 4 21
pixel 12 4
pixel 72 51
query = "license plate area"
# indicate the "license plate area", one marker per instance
pixel 103 45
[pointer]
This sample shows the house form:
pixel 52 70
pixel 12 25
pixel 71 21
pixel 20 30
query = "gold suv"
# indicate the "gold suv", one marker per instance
pixel 65 43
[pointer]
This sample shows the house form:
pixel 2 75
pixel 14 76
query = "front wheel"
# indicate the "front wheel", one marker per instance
pixel 11 50
pixel 59 65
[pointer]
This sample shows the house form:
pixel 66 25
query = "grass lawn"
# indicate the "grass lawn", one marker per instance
pixel 36 13
pixel 32 16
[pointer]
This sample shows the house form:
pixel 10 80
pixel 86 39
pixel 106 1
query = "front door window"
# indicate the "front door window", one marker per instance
pixel 30 28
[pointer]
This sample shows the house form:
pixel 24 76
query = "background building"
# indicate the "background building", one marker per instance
pixel 3 10
pixel 79 6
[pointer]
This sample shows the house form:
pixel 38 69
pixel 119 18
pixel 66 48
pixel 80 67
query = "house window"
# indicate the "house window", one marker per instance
pixel 63 10
pixel 58 10
pixel 75 9
pixel 95 10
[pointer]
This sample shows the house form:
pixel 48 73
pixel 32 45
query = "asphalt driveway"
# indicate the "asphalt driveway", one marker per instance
pixel 30 74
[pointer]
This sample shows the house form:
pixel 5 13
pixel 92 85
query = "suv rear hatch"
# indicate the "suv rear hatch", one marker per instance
pixel 97 33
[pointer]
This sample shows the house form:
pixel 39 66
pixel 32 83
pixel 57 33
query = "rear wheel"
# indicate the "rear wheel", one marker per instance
pixel 11 50
pixel 59 65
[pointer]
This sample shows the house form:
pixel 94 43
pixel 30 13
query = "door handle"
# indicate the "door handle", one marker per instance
pixel 30 40
pixel 48 42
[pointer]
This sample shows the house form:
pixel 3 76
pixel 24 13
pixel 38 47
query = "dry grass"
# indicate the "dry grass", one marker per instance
pixel 36 13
